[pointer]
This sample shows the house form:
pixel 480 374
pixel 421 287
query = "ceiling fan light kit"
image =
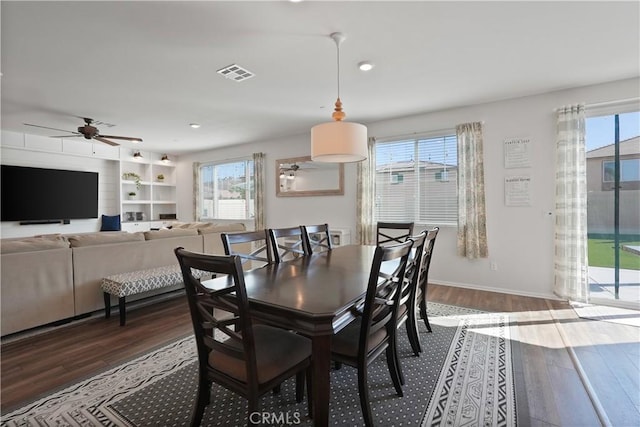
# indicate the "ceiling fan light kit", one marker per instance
pixel 338 141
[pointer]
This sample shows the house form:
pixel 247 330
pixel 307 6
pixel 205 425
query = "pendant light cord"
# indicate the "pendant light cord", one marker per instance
pixel 338 114
pixel 338 77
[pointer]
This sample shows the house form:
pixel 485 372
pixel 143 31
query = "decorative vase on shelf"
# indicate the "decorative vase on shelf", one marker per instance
pixel 132 196
pixel 160 178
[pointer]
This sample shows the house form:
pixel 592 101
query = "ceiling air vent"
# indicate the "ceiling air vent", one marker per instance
pixel 235 72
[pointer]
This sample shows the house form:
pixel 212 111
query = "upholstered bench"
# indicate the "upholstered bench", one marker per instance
pixel 125 284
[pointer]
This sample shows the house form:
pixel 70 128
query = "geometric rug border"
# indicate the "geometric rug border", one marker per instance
pixel 478 370
pixel 32 400
pixel 134 374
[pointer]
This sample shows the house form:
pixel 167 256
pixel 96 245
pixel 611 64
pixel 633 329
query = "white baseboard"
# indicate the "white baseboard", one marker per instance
pixel 498 290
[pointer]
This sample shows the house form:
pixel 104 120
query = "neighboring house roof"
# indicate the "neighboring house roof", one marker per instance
pixel 627 147
pixel 410 165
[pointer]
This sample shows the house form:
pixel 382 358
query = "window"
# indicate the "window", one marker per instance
pixel 416 180
pixel 227 190
pixel 397 178
pixel 629 170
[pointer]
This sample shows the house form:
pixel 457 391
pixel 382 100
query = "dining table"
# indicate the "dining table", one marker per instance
pixel 312 295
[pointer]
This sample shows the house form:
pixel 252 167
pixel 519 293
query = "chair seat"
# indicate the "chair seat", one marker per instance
pixel 277 350
pixel 346 341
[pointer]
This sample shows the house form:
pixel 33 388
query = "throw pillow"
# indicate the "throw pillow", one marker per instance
pixel 111 223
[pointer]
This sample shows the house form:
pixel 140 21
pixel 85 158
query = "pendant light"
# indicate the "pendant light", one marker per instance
pixel 338 141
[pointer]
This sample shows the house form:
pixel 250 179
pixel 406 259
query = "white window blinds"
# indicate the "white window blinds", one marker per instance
pixel 416 180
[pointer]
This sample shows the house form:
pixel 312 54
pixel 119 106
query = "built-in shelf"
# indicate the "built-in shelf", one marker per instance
pixel 154 197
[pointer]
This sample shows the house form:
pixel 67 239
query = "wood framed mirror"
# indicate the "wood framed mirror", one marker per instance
pixel 299 176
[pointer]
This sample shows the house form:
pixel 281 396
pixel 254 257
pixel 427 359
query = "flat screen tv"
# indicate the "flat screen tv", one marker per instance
pixel 36 194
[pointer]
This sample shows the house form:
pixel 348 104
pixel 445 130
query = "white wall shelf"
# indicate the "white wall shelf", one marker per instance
pixel 154 196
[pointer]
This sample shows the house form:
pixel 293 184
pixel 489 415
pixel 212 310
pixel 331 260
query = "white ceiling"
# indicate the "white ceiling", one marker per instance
pixel 150 67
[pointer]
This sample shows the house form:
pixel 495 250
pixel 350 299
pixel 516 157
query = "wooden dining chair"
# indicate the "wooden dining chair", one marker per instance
pixel 317 238
pixel 247 359
pixel 372 333
pixel 407 313
pixel 250 246
pixel 391 233
pixel 286 243
pixel 423 277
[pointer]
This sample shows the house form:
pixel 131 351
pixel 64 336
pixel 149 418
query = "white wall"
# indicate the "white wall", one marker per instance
pixel 107 189
pixel 520 238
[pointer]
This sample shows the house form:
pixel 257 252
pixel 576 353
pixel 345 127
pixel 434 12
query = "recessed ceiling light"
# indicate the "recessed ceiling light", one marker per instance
pixel 194 125
pixel 365 65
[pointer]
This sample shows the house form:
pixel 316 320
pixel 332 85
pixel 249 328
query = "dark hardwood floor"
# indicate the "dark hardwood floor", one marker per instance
pixel 550 389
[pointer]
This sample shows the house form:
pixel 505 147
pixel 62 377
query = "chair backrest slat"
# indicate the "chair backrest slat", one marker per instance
pixel 317 238
pixel 414 265
pixel 250 246
pixel 286 243
pixel 392 233
pixel 423 274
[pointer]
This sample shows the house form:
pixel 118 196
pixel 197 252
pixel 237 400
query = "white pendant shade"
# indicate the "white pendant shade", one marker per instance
pixel 338 142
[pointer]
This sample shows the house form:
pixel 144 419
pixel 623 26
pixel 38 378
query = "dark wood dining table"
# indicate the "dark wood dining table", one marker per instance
pixel 312 295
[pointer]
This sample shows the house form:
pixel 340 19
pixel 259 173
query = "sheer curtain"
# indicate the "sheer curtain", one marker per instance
pixel 570 260
pixel 472 220
pixel 258 170
pixel 196 191
pixel 365 221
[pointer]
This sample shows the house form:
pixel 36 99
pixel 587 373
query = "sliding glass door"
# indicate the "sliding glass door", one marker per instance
pixel 613 207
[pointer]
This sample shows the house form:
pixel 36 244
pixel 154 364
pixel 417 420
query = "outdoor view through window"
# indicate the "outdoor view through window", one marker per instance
pixel 613 217
pixel 226 190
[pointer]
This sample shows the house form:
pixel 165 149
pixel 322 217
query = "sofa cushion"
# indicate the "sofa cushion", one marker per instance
pixel 53 236
pixel 196 225
pixel 103 238
pixel 218 228
pixel 174 232
pixel 32 244
pixel 111 223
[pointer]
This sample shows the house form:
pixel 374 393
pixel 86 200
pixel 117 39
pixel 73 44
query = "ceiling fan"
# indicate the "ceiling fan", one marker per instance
pixel 89 132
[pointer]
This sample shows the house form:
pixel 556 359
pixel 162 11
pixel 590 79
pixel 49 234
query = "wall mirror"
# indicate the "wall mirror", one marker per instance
pixel 299 176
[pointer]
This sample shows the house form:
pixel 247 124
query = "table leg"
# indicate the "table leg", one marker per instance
pixel 321 347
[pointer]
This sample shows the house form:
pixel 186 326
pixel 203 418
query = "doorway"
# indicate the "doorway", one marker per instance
pixel 613 208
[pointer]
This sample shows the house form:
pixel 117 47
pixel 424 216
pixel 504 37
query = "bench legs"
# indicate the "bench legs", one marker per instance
pixel 121 308
pixel 107 305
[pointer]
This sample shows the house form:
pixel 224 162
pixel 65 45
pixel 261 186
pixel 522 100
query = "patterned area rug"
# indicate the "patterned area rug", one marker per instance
pixel 463 377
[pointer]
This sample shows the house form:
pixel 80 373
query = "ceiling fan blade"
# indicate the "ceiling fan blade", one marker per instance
pixel 128 138
pixel 46 127
pixel 66 136
pixel 106 141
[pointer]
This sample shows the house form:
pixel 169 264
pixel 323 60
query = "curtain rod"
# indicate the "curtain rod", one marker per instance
pixel 424 132
pixel 613 103
pixel 605 104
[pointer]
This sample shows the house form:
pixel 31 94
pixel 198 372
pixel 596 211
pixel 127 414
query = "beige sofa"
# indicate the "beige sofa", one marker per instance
pixel 36 284
pixel 52 278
